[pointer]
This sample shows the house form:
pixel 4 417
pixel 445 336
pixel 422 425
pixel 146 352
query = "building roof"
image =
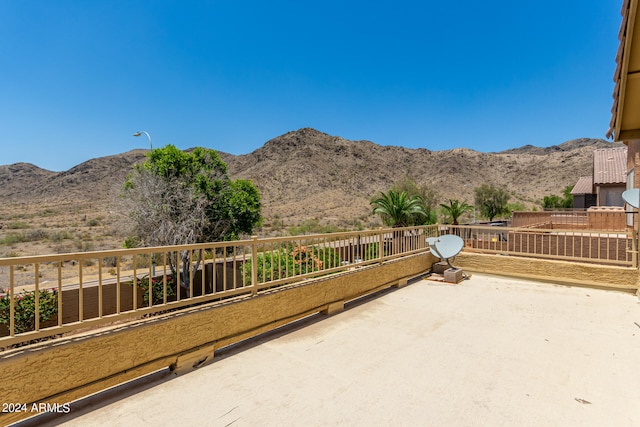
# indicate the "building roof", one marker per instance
pixel 583 186
pixel 625 112
pixel 610 166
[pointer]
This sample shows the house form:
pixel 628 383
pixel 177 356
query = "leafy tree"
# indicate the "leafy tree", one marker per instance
pixel 454 209
pixel 398 209
pixel 551 202
pixel 179 198
pixel 554 201
pixel 516 206
pixel 568 197
pixel 491 200
pixel 428 194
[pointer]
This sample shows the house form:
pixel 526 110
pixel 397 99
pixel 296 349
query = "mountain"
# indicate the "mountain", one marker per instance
pixel 96 179
pixel 565 146
pixel 307 174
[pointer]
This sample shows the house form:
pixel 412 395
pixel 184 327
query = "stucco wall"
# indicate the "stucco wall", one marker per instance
pixel 572 273
pixel 65 369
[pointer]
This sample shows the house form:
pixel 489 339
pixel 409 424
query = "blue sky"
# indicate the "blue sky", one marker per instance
pixel 78 77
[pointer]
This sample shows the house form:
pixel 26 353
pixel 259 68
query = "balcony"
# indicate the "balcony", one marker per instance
pixel 116 329
pixel 490 351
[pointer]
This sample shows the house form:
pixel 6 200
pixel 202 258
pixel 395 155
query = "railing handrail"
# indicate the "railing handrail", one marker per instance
pixel 247 267
pixel 233 268
pixel 27 259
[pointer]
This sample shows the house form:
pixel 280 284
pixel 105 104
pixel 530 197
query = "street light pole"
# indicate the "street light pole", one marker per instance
pixel 153 256
pixel 148 136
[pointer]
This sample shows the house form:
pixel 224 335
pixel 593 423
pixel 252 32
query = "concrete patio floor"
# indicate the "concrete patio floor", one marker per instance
pixel 489 351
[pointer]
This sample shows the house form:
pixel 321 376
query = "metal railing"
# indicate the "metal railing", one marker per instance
pixel 41 296
pixel 593 246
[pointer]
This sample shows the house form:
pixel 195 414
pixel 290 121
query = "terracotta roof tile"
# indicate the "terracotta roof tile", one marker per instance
pixel 610 166
pixel 583 186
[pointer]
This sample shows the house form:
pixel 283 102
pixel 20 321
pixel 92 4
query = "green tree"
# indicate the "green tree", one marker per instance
pixel 454 209
pixel 514 207
pixel 567 201
pixel 491 200
pixel 554 201
pixel 428 194
pixel 397 209
pixel 176 197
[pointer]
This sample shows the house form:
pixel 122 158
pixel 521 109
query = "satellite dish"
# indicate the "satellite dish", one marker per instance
pixel 432 246
pixel 632 197
pixel 446 246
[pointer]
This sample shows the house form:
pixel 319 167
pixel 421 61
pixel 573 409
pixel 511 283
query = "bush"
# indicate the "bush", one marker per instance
pixel 131 242
pixel 157 289
pixel 312 226
pixel 25 309
pixel 291 261
pixel 35 235
pixel 110 261
pixel 13 238
pixel 60 236
pixel 17 224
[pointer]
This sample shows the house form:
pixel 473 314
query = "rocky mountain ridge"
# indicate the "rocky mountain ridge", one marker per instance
pixel 307 174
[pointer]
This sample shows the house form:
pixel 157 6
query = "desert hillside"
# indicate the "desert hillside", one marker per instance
pixel 309 174
pixel 303 174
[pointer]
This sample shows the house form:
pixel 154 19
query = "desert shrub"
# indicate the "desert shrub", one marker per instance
pixel 17 225
pixel 276 223
pixel 85 236
pixel 13 238
pixel 60 236
pixel 312 226
pixel 110 261
pixel 131 242
pixel 35 235
pixel 62 249
pixel 142 260
pixel 93 222
pixel 84 246
pixel 25 309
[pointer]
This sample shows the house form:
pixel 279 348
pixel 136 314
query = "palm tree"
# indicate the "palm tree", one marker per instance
pixel 455 209
pixel 397 209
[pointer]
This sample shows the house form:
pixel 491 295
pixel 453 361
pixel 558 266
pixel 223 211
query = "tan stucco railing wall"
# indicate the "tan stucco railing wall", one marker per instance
pixel 564 272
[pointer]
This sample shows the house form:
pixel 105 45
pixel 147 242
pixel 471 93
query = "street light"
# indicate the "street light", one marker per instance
pixel 153 256
pixel 148 136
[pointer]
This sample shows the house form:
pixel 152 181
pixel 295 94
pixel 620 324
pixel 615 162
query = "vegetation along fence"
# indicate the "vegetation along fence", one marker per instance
pixel 42 296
